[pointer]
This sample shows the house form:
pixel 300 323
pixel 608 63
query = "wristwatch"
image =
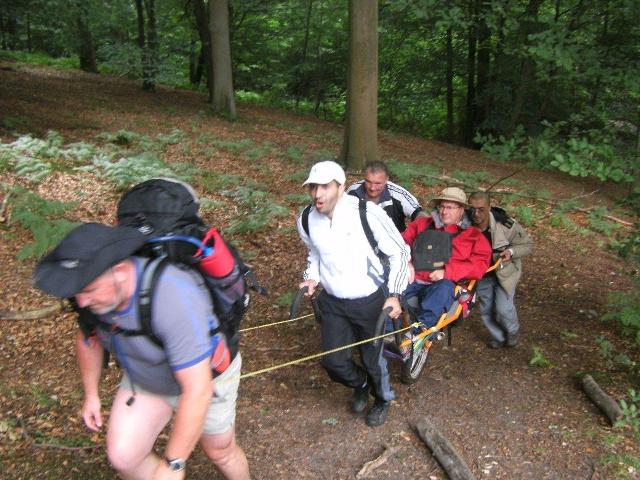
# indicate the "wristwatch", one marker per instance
pixel 176 465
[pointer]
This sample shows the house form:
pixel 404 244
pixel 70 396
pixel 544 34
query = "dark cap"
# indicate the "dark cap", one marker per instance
pixel 83 255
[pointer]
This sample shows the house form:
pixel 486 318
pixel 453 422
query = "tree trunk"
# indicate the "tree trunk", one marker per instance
pixel 470 107
pixel 86 50
pixel 527 27
pixel 445 453
pixel 301 78
pixel 12 30
pixel 604 402
pixel 222 101
pixel 141 37
pixel 483 65
pixel 29 46
pixel 150 68
pixel 450 138
pixel 360 143
pixel 202 23
pixel 3 40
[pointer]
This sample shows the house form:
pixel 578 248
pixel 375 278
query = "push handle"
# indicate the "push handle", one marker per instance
pixel 295 305
pixel 384 314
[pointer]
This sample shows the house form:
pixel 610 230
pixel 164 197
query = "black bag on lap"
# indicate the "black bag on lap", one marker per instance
pixel 431 250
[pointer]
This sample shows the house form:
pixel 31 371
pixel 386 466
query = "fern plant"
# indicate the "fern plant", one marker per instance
pixel 41 217
pixel 261 209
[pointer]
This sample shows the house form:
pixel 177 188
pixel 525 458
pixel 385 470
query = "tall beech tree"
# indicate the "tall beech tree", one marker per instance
pixel 222 98
pixel 360 143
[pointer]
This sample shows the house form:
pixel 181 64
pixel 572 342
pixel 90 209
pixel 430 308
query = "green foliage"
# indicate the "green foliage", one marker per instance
pixel 624 308
pixel 583 153
pixel 631 413
pixel 39 58
pixel 260 209
pixel 233 147
pixel 297 199
pixel 285 300
pixel 41 217
pixel 297 177
pixel 212 181
pixel 568 334
pixel 33 169
pixel 538 359
pixel 258 152
pixel 524 214
pixel 125 60
pixel 294 154
pixel 12 121
pixel 405 173
pixel 628 247
pixel 472 180
pixel 128 171
pixel 599 223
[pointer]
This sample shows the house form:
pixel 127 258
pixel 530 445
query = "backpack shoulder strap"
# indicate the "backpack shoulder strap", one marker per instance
pixel 305 218
pixel 362 208
pixel 150 275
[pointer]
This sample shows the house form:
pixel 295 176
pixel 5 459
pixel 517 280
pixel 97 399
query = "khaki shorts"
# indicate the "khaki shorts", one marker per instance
pixel 222 407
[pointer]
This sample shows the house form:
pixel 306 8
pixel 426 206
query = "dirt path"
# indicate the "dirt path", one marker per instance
pixel 508 419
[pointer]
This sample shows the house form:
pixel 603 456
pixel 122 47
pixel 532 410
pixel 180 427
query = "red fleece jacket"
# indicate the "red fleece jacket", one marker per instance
pixel 471 252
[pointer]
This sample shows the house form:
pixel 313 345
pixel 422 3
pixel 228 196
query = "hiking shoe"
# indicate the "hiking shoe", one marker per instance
pixel 378 413
pixel 493 343
pixel 512 340
pixel 360 399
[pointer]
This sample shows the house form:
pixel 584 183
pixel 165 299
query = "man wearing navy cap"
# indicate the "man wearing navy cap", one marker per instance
pixel 94 264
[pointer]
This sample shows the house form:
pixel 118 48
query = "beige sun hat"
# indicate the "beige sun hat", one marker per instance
pixel 451 194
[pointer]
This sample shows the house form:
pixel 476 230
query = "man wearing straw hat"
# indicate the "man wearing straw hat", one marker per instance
pixel 470 254
pixel 94 264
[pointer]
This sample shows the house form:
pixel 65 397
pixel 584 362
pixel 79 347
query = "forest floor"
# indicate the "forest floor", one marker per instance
pixel 508 419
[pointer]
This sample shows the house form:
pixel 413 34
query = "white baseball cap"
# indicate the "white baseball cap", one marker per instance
pixel 326 172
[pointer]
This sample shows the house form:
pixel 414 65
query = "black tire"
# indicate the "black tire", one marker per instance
pixel 413 366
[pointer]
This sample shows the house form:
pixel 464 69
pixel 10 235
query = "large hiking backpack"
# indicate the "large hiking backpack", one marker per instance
pixel 166 210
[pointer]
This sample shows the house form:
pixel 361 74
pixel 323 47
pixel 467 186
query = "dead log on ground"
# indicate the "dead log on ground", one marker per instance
pixel 444 452
pixel 31 314
pixel 605 402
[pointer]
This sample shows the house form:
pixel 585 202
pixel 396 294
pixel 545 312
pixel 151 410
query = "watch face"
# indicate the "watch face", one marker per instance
pixel 176 465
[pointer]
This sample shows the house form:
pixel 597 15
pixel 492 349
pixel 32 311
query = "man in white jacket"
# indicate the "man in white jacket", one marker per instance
pixel 357 286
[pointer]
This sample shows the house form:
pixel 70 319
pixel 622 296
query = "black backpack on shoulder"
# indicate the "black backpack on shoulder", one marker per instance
pixel 166 210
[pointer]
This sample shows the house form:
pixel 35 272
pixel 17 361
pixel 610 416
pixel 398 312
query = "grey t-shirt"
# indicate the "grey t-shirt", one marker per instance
pixel 182 318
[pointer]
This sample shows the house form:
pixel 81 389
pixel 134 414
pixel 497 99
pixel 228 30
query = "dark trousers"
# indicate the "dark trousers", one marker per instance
pixel 347 321
pixel 434 299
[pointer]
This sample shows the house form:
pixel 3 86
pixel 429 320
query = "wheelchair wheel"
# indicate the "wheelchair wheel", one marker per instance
pixel 413 366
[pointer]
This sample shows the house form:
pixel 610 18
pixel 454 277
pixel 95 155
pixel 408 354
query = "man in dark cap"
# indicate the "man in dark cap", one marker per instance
pixel 94 264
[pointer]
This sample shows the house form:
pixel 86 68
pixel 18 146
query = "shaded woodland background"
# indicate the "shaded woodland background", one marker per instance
pixel 547 90
pixel 555 83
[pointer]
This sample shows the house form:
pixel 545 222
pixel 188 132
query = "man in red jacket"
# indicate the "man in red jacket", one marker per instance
pixel 470 255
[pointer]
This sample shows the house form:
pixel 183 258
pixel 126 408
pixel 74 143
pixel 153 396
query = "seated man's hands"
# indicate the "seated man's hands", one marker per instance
pixel 436 275
pixel 506 255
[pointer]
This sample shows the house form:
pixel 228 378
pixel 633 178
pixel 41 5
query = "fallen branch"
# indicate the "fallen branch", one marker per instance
pixel 31 314
pixel 605 402
pixel 369 467
pixel 444 452
pixel 3 206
